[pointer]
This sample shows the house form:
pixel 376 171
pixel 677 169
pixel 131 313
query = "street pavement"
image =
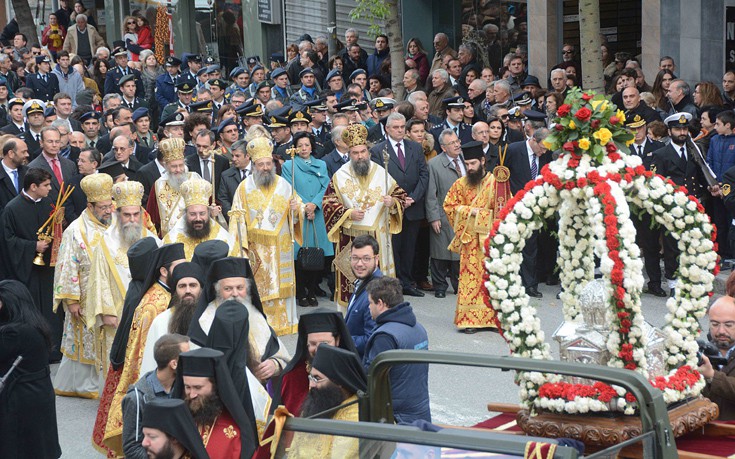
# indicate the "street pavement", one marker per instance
pixel 459 395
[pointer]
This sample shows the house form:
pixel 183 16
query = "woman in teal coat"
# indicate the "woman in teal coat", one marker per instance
pixel 312 180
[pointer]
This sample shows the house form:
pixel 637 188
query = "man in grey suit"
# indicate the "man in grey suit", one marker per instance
pixel 61 169
pixel 444 170
pixel 231 178
pixel 407 166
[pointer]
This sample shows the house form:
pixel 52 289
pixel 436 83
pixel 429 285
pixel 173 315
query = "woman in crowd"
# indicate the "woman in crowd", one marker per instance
pixel 99 72
pixel 27 403
pixel 416 58
pixel 225 112
pixel 496 144
pixel 53 35
pixel 707 93
pixel 149 72
pixel 661 87
pixel 552 101
pixel 310 180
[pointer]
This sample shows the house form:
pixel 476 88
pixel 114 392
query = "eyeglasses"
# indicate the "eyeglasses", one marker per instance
pixel 104 208
pixel 452 143
pixel 568 51
pixel 366 259
pixel 504 117
pixel 131 23
pixel 314 379
pixel 728 325
pixel 36 53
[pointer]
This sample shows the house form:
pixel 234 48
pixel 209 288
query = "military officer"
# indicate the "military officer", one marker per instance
pixel 185 92
pixel 166 83
pixel 121 69
pixel 44 83
pixel 453 110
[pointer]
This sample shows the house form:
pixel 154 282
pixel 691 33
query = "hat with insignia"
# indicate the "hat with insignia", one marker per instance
pixel 333 73
pixel 226 122
pixel 522 99
pixel 95 115
pixel 356 73
pixel 50 110
pixel 113 168
pixel 382 103
pixel 196 192
pixel 472 150
pixel 634 120
pixel 219 82
pixel 173 61
pixel 256 68
pixel 119 49
pixel 346 106
pixel 40 59
pixel 299 116
pixel 259 148
pixel 531 81
pixel 251 110
pixel 354 135
pixel 128 193
pixel 453 102
pixel 278 57
pixel 202 71
pixel 214 68
pixel 16 101
pixel 533 115
pixel 680 119
pixel 140 112
pixel 191 57
pixel 97 187
pixel 515 114
pixel 361 105
pixel 172 149
pixel 203 106
pixel 275 121
pixel 306 71
pixel 278 72
pixel 237 71
pixel 252 60
pixel 174 119
pixel 316 105
pixel 126 78
pixel 263 84
pixel 33 106
pixel 185 87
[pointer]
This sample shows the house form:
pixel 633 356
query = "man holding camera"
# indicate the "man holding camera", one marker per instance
pixel 721 378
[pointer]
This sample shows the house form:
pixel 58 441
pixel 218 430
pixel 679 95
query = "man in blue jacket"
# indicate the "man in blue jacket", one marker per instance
pixel 364 262
pixel 397 328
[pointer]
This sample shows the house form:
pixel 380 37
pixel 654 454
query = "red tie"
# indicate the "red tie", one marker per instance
pixel 57 171
pixel 401 157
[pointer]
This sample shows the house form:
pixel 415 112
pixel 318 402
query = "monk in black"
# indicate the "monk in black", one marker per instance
pixel 21 219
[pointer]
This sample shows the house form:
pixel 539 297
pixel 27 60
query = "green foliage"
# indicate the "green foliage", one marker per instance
pixel 373 11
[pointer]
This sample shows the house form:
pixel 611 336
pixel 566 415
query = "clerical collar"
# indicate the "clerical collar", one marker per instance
pixel 29 196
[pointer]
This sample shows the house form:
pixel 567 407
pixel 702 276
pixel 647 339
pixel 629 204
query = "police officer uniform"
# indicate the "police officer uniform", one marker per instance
pixel 183 87
pixel 299 116
pixel 45 86
pixel 114 75
pixel 166 84
pixel 137 102
pixel 463 131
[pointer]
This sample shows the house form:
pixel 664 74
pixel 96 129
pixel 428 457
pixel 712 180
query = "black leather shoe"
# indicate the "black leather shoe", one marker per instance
pixel 533 292
pixel 470 331
pixel 671 294
pixel 303 302
pixel 440 294
pixel 656 290
pixel 412 291
pixel 313 301
pixel 320 293
pixel 552 281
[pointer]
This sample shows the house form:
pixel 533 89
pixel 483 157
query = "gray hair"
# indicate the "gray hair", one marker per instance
pixel 491 28
pixel 305 46
pixel 414 74
pixel 503 85
pixel 248 284
pixel 416 96
pixel 395 117
pixel 103 48
pixel 468 48
pixel 117 134
pixel 109 97
pixel 337 133
pixel 540 134
pixel 82 17
pixel 443 74
pixel 444 134
pixel 352 30
pixel 4 57
pixel 480 84
pixel 239 145
pixel 58 122
pixel 321 40
pixel 683 85
pixel 493 111
pixel 558 71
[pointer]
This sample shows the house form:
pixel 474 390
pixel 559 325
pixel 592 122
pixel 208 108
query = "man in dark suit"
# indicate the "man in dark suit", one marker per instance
pixel 45 85
pixel 525 160
pixel 61 169
pixel 647 238
pixel 679 162
pixel 340 155
pixel 128 88
pixel 122 151
pixel 201 162
pixel 148 174
pixel 15 155
pixel 453 109
pixel 16 124
pixel 88 164
pixel 407 166
pixel 121 69
pixel 231 178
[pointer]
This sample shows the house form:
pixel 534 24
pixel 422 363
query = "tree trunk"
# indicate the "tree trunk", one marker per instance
pixel 589 31
pixel 24 17
pixel 395 41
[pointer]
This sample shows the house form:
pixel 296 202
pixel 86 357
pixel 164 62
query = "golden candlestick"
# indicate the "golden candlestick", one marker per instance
pixel 38 260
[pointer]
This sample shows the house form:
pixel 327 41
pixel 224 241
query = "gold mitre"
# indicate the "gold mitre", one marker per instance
pixel 97 187
pixel 196 192
pixel 259 148
pixel 172 149
pixel 354 135
pixel 127 193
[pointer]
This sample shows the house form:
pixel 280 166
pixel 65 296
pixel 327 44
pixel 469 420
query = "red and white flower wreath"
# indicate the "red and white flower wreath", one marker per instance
pixel 592 198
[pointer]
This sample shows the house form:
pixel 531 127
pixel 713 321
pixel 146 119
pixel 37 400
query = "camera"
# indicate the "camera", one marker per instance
pixel 713 354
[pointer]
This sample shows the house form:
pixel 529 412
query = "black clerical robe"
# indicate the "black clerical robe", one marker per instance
pixel 20 221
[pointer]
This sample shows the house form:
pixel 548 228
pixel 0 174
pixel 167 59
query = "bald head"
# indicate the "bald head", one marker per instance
pixel 722 322
pixel 631 97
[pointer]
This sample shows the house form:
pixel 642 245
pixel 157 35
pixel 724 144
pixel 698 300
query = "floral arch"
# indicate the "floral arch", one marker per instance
pixel 593 185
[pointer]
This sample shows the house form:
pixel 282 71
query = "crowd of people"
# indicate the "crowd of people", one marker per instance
pixel 163 220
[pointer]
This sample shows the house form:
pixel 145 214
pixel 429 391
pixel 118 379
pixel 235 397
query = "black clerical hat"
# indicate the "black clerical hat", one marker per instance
pixel 187 269
pixel 208 251
pixel 472 150
pixel 342 367
pixel 173 417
